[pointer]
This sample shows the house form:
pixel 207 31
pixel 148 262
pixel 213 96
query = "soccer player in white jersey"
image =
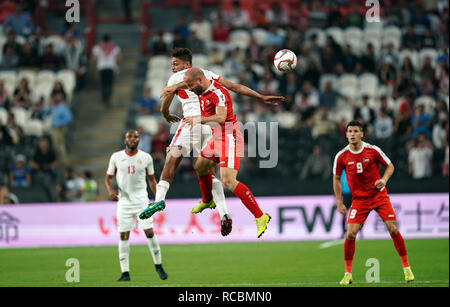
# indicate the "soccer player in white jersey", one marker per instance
pixel 189 138
pixel 132 167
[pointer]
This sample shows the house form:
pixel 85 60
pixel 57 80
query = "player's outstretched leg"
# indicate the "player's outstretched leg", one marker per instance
pixel 124 255
pixel 206 184
pixel 400 246
pixel 226 225
pixel 152 209
pixel 155 251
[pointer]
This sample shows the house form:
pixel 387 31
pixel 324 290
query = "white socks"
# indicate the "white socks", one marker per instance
pixel 155 251
pixel 219 196
pixel 161 190
pixel 124 255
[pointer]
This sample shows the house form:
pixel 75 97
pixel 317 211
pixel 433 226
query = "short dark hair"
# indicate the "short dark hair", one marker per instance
pixel 354 123
pixel 183 54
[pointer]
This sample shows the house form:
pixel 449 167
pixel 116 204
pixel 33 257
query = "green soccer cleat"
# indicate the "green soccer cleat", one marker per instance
pixel 152 209
pixel 347 280
pixel 202 206
pixel 409 276
pixel 261 224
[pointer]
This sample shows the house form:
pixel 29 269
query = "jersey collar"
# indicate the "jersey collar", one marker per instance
pixel 359 151
pixel 125 151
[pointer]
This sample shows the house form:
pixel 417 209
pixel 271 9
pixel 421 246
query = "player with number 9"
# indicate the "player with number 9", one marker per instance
pixel 361 161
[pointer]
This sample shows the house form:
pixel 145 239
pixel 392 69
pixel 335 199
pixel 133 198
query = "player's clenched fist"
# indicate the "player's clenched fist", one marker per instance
pixel 380 184
pixel 113 195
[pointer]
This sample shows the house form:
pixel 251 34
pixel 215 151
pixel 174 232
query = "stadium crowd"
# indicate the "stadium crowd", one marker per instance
pixel 392 75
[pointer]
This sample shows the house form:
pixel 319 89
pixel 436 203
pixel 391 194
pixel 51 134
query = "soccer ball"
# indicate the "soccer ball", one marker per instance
pixel 285 60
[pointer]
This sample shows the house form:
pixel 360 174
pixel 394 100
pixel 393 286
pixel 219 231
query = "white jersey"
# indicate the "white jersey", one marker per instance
pixel 189 100
pixel 131 176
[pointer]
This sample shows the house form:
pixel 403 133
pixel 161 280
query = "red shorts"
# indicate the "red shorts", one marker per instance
pixel 225 148
pixel 361 208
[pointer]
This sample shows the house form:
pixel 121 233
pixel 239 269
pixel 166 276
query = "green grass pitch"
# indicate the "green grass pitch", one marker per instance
pixel 282 264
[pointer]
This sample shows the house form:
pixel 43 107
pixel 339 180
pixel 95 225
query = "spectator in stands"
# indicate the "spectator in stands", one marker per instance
pixel 276 15
pixel 20 174
pixel 37 110
pixel 10 59
pixel 237 17
pixel 69 31
pixel 368 61
pixel 202 28
pixel 158 45
pixel 147 103
pixel 384 106
pixel 182 30
pixel 365 111
pixel 215 57
pixel 409 39
pixel 159 145
pixel 307 100
pixel 28 58
pixel 234 63
pixel 126 5
pixel 317 166
pixel 58 87
pixel 44 167
pixel 408 70
pixel 4 98
pixel 11 41
pixel 73 187
pixel 221 30
pixel 335 17
pixel 19 22
pixel 421 122
pixel 268 84
pixel 420 21
pixel 75 60
pixel 145 143
pixel 383 125
pixel 355 17
pixel 322 125
pixel 50 60
pixel 195 44
pixel 387 72
pixel 426 70
pixel 428 40
pixel 440 131
pixel 445 164
pixel 90 187
pixel 274 37
pixel 317 15
pixel 259 18
pixel 349 59
pixel 419 158
pixel 107 55
pixel 21 95
pixel 441 75
pixel 328 97
pixel 61 118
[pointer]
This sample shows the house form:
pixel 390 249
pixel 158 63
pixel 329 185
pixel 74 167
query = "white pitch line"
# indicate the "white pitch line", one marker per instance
pixel 331 243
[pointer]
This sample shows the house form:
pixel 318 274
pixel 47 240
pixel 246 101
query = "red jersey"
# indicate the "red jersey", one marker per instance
pixel 215 96
pixel 362 169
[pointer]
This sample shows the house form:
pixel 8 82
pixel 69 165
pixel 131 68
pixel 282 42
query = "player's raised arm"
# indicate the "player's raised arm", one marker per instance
pixel 165 112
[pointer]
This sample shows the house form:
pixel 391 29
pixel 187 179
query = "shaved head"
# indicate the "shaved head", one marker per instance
pixel 196 81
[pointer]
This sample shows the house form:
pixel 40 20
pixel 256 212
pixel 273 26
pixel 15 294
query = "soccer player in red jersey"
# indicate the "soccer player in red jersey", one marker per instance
pixel 226 144
pixel 361 161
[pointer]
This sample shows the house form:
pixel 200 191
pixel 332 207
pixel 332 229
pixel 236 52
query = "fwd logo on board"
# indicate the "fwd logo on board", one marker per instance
pixel 9 227
pixel 318 216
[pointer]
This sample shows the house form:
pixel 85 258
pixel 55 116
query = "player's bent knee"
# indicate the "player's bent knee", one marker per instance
pixel 229 183
pixel 149 233
pixel 124 236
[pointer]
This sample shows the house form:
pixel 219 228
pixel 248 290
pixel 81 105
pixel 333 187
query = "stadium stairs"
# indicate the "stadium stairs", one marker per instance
pixel 98 130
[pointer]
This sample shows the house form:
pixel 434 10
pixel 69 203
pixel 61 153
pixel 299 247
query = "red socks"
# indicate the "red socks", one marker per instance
pixel 399 244
pixel 206 187
pixel 248 199
pixel 349 251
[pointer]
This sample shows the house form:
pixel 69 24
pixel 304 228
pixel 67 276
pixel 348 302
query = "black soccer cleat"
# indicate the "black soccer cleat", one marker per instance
pixel 226 225
pixel 125 277
pixel 162 274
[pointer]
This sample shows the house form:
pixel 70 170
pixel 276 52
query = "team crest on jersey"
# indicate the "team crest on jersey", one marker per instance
pixel 139 161
pixel 366 160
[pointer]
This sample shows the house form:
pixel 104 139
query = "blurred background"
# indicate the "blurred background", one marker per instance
pixel 60 122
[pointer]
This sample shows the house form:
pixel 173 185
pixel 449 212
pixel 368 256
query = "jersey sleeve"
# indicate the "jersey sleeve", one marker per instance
pixel 381 156
pixel 149 169
pixel 111 171
pixel 219 99
pixel 338 165
pixel 171 81
pixel 210 75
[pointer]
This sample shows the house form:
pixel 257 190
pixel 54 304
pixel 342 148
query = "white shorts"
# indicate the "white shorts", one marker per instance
pixel 191 139
pixel 126 215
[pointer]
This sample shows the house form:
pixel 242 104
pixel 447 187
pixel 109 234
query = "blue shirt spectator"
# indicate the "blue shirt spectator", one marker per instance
pixel 147 103
pixel 62 116
pixel 421 122
pixel 19 22
pixel 20 174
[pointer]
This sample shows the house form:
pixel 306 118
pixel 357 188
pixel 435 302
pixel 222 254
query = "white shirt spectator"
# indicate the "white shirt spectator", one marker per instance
pixel 106 54
pixel 420 158
pixel 383 127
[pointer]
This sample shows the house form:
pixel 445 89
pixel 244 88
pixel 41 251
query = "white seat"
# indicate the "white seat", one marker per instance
pixel 259 35
pixel 373 32
pixel 337 34
pixel 396 43
pixel 42 90
pixel 349 92
pixel 351 33
pixel 3 116
pixel 375 43
pixel 20 115
pixel 8 76
pixel 428 102
pixel 156 85
pixel 149 123
pixel 321 39
pixel 217 69
pixel 29 75
pixel 392 32
pixel 68 79
pixel 413 55
pixel 45 76
pixel 328 77
pixel 368 84
pixel 158 74
pixel 168 37
pixel 159 61
pixel 34 127
pixel 348 80
pixel 199 60
pixel 57 41
pixel 427 52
